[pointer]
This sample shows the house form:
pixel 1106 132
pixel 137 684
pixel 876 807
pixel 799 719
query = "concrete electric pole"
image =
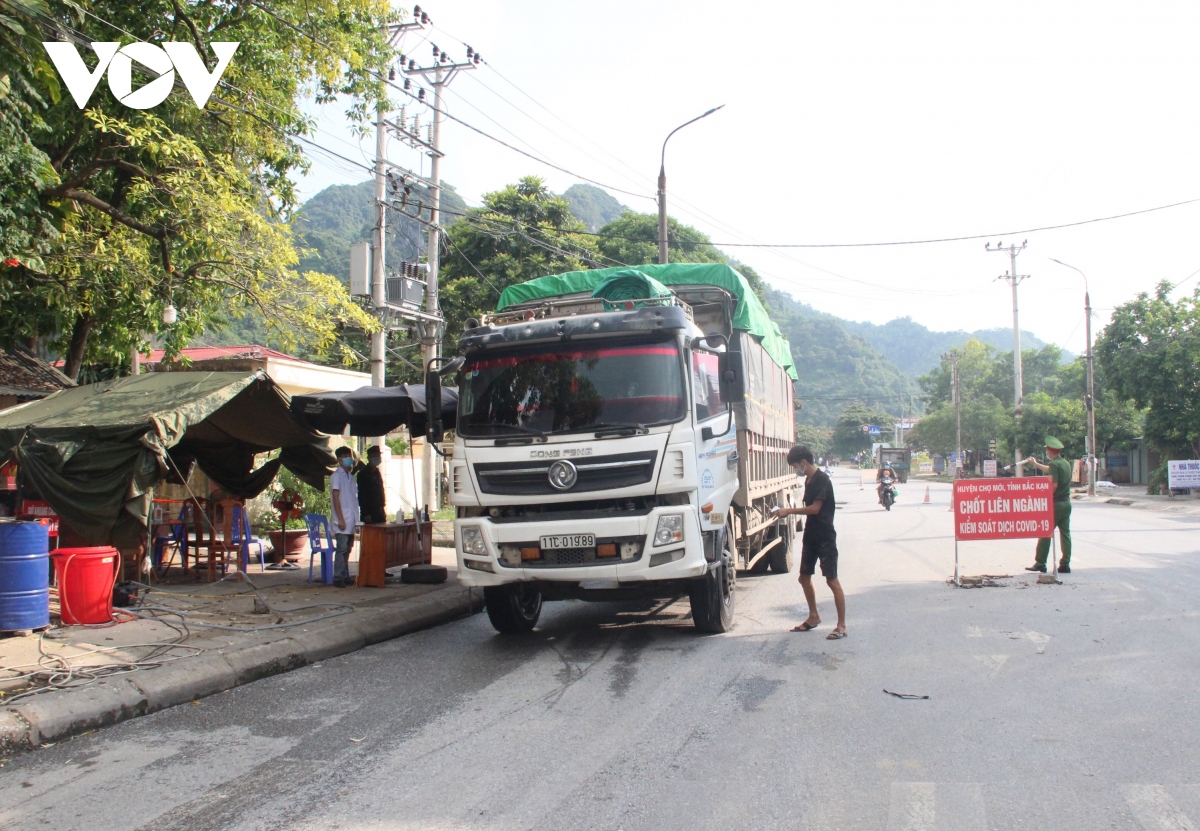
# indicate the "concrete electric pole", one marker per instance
pixel 954 358
pixel 394 311
pixel 662 187
pixel 1018 382
pixel 1090 397
pixel 439 74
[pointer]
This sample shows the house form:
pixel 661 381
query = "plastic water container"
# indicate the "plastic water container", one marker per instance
pixel 85 579
pixel 24 576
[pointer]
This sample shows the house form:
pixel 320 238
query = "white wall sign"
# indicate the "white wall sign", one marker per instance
pixel 1183 474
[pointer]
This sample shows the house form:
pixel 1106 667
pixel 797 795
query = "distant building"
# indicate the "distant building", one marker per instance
pixel 293 375
pixel 25 378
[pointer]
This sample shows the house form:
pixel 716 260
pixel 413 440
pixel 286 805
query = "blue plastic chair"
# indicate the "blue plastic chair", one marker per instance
pixel 178 537
pixel 243 539
pixel 320 542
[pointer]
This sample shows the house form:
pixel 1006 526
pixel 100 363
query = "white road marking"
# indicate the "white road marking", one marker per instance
pixel 936 806
pixel 1155 810
pixel 913 807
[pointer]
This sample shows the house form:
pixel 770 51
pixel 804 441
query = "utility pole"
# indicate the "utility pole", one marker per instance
pixel 1090 396
pixel 662 187
pixel 392 193
pixel 1018 382
pixel 439 74
pixel 954 358
pixel 378 286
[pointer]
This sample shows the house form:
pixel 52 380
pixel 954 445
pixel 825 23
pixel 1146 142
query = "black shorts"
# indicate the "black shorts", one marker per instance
pixel 825 551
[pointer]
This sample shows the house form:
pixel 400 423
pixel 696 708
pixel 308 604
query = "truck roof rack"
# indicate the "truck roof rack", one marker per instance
pixel 572 305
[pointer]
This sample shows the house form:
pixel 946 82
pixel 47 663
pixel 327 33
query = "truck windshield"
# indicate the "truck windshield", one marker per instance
pixel 566 389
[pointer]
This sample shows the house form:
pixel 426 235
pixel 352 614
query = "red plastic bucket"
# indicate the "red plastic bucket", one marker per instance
pixel 85 578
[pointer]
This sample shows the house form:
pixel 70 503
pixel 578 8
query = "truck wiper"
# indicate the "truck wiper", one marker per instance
pixel 529 433
pixel 603 430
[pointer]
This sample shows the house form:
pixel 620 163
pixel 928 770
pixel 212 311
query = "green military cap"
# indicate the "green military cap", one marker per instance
pixel 1053 443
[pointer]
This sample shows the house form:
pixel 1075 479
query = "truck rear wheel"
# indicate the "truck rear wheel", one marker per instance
pixel 514 608
pixel 781 555
pixel 712 595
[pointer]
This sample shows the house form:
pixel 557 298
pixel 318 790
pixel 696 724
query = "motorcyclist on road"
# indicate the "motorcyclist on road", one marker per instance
pixel 887 478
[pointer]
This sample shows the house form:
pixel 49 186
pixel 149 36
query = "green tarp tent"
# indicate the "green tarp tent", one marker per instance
pixel 95 452
pixel 749 315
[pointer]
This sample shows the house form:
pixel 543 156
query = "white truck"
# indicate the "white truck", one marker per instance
pixel 621 433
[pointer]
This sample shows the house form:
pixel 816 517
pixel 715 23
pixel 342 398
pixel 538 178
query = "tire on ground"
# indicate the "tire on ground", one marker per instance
pixel 781 555
pixel 712 596
pixel 514 608
pixel 423 573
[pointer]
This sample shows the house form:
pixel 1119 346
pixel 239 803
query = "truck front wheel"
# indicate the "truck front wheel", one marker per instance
pixel 514 608
pixel 712 595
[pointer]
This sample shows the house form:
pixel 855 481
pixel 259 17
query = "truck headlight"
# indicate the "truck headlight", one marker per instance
pixel 472 540
pixel 669 530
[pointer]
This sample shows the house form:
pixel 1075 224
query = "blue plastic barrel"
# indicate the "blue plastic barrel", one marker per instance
pixel 24 576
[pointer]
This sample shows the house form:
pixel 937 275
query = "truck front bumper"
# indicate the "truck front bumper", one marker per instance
pixel 672 561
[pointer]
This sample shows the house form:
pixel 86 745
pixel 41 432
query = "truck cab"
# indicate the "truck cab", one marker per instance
pixel 598 455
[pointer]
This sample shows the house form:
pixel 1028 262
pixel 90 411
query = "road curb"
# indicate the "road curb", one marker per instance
pixel 59 715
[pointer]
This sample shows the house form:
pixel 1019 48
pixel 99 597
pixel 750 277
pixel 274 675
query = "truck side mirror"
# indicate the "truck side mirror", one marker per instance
pixel 434 431
pixel 732 376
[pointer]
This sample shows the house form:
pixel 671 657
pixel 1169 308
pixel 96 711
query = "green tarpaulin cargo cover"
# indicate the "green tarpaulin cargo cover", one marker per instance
pixel 749 315
pixel 95 452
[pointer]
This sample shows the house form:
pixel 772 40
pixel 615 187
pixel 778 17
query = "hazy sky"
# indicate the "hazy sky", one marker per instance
pixel 852 122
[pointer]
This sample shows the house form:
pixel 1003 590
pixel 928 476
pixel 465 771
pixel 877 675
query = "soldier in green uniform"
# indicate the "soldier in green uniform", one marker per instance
pixel 1060 473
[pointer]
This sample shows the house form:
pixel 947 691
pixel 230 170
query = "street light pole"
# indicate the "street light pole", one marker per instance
pixel 1093 462
pixel 662 187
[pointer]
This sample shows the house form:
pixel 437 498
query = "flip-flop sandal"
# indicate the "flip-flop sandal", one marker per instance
pixel 806 626
pixel 836 634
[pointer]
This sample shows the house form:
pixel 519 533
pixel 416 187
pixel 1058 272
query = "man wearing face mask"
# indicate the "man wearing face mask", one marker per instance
pixel 343 494
pixel 370 488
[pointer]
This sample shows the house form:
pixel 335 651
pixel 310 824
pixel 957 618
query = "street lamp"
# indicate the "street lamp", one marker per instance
pixel 1091 388
pixel 662 187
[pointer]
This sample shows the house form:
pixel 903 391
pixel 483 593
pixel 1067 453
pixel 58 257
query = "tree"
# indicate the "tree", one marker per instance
pixel 848 436
pixel 1150 353
pixel 178 205
pixel 522 232
pixel 984 418
pixel 817 439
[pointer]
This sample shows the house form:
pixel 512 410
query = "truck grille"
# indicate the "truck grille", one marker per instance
pixel 621 470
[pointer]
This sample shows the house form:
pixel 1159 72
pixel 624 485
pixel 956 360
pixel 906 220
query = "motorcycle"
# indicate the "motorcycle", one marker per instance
pixel 887 493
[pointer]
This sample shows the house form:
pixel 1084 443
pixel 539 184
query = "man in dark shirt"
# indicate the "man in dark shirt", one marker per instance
pixel 820 539
pixel 370 489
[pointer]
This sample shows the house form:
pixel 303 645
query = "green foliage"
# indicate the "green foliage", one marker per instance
pixel 1054 404
pixel 632 239
pixel 817 439
pixel 522 232
pixel 835 367
pixel 1150 353
pixel 848 437
pixel 399 447
pixel 178 205
pixel 916 350
pixel 984 417
pixel 592 206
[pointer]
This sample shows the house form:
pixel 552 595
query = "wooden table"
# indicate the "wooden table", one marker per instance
pixel 388 544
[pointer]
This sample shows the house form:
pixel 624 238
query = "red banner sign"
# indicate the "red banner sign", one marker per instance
pixel 1003 509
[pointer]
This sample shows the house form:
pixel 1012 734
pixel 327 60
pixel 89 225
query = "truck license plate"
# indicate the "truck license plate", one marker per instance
pixel 569 541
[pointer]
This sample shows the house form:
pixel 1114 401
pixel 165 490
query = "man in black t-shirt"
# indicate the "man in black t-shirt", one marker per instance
pixel 819 541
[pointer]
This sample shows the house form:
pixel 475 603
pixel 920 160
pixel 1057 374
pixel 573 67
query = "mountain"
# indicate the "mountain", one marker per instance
pixel 343 214
pixel 916 350
pixel 835 367
pixel 594 207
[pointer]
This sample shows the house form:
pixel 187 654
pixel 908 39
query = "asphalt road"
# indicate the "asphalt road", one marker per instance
pixel 1067 706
